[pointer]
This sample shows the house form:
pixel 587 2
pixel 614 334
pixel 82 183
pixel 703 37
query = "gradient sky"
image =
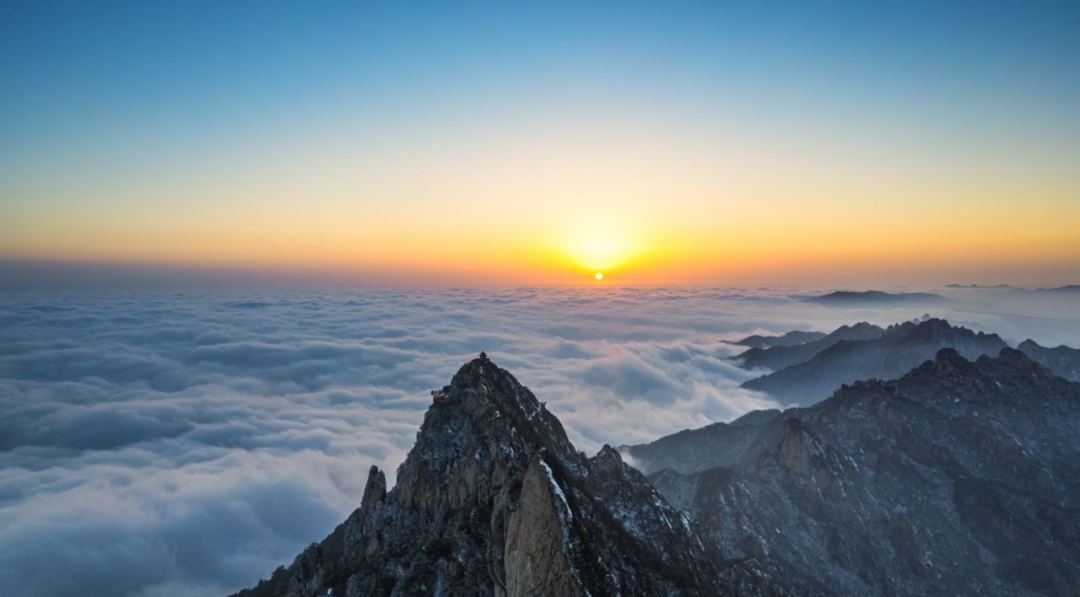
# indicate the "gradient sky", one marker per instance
pixel 485 142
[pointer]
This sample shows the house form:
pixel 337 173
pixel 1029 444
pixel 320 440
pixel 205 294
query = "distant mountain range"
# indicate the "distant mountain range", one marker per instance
pixel 977 286
pixel 871 298
pixel 806 373
pixel 895 351
pixel 1070 290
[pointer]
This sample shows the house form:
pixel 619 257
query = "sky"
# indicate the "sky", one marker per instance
pixel 478 143
pixel 187 444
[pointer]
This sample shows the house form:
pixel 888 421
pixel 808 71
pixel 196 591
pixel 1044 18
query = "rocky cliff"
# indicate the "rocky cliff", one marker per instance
pixel 494 500
pixel 960 478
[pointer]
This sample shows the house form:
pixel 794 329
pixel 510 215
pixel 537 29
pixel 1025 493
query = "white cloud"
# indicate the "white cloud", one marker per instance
pixel 189 444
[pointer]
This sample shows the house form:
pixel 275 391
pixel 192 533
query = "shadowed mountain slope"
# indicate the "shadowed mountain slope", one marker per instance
pixel 900 349
pixel 494 500
pixel 960 478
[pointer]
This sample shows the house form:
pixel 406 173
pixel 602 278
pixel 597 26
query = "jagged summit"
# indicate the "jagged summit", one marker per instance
pixel 493 499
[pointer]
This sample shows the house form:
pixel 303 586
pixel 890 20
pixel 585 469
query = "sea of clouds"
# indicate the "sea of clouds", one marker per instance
pixel 188 444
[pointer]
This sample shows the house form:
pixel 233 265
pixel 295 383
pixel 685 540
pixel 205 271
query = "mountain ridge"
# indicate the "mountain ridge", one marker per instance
pixel 961 477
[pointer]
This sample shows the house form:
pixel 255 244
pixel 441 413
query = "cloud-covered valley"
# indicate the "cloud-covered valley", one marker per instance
pixel 187 444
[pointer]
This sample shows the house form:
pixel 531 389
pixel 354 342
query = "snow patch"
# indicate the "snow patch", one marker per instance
pixel 558 490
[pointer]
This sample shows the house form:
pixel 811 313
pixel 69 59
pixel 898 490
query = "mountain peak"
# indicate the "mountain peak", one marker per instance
pixel 494 500
pixel 499 404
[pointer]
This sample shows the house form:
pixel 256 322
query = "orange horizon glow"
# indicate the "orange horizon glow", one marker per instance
pixel 498 251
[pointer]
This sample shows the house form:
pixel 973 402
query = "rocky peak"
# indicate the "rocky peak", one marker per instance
pixel 497 405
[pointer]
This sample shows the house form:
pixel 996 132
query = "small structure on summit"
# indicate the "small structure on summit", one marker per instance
pixel 484 357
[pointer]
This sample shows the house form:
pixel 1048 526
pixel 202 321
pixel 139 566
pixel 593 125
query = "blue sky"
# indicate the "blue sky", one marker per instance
pixel 122 121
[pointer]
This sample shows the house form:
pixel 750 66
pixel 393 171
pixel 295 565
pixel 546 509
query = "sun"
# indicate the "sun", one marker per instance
pixel 599 276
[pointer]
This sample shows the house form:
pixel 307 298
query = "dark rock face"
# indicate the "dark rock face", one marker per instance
pixel 494 500
pixel 872 298
pixel 1062 360
pixel 960 478
pixel 900 349
pixel 788 339
pixel 781 357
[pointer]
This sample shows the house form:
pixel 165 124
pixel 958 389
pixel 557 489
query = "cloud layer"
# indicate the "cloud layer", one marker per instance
pixel 187 444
